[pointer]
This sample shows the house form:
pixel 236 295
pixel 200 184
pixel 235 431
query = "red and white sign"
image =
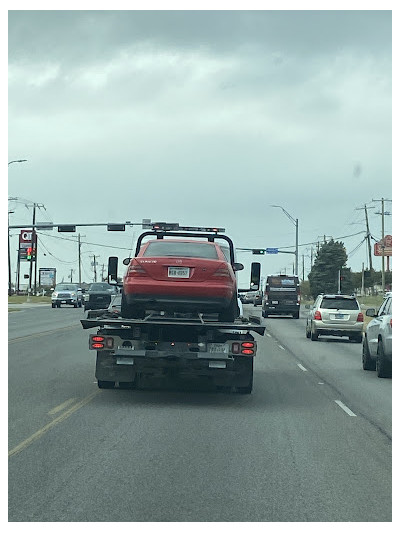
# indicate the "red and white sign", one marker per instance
pixel 25 238
pixel 387 246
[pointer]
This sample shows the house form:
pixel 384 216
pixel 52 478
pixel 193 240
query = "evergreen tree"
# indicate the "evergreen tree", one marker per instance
pixel 324 275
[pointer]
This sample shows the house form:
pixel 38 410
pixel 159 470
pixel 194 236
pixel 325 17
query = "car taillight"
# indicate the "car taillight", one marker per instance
pixel 298 298
pixel 360 317
pixel 390 323
pixel 317 315
pixel 136 270
pixel 222 272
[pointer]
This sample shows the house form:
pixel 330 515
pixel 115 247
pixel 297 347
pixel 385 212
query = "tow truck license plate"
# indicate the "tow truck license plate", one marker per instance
pixel 178 272
pixel 218 348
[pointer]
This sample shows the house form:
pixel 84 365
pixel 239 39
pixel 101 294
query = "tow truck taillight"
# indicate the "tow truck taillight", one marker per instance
pixel 317 315
pixel 98 342
pixel 360 317
pixel 245 348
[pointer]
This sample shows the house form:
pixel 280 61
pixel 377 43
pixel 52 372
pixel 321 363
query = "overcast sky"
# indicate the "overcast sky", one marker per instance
pixel 201 118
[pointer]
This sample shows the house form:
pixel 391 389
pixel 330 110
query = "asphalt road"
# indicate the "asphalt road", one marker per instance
pixel 289 452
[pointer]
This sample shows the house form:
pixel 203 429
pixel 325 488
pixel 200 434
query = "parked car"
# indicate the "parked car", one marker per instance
pixel 98 296
pixel 68 294
pixel 335 314
pixel 377 345
pixel 180 275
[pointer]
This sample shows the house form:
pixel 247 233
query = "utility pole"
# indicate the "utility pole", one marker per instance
pixel 382 200
pixel 368 233
pixel 94 267
pixel 9 256
pixel 303 265
pixel 71 274
pixel 33 244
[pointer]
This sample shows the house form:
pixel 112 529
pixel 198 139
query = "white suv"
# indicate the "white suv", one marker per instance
pixel 335 314
pixel 377 345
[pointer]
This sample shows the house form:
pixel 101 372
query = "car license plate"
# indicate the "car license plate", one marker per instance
pixel 275 303
pixel 218 348
pixel 178 272
pixel 63 301
pixel 339 316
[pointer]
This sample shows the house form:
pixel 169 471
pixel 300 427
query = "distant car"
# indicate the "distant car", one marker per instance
pixel 257 299
pixel 68 294
pixel 377 345
pixel 249 298
pixel 335 314
pixel 180 275
pixel 98 296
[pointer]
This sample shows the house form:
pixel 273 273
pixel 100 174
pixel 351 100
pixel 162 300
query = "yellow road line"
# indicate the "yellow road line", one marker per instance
pixel 24 444
pixel 43 333
pixel 62 406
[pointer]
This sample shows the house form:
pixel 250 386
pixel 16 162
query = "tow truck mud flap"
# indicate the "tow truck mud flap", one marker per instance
pixel 107 370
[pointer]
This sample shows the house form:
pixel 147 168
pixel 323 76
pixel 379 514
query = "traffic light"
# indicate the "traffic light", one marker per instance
pixel 259 251
pixel 29 254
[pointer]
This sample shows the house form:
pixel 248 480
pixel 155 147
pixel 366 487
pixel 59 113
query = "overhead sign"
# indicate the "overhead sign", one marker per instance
pixel 272 250
pixel 67 228
pixel 44 226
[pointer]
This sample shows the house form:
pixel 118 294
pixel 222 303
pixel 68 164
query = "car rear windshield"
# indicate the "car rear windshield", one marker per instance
pixel 66 287
pixel 339 303
pixel 100 287
pixel 281 282
pixel 181 249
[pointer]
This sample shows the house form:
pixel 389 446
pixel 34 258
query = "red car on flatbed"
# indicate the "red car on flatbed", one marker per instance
pixel 181 275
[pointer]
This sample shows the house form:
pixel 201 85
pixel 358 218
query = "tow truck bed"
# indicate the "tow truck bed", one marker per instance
pixel 128 350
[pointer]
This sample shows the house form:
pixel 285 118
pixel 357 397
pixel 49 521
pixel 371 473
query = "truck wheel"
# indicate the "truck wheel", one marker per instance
pixel 75 305
pixel 53 306
pixel 367 362
pixel 58 305
pixel 308 333
pixel 296 315
pixel 383 368
pixel 106 384
pixel 314 336
pixel 80 304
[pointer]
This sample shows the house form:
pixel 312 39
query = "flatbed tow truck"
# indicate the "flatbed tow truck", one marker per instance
pixel 181 346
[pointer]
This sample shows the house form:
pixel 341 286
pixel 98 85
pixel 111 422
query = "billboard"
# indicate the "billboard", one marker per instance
pixel 47 277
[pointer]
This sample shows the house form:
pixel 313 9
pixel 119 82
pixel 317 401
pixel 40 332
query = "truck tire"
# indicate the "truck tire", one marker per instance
pixel 105 384
pixel 383 367
pixel 367 362
pixel 358 337
pixel 296 314
pixel 314 336
pixel 53 306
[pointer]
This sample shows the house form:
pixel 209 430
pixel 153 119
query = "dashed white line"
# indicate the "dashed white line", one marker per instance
pixel 302 367
pixel 281 347
pixel 268 335
pixel 345 408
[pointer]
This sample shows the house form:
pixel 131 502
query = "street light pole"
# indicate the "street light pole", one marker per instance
pixel 296 223
pixel 9 256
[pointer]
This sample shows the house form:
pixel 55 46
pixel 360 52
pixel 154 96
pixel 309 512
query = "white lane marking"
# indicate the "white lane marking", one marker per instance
pixel 281 347
pixel 345 408
pixel 302 367
pixel 268 335
pixel 321 383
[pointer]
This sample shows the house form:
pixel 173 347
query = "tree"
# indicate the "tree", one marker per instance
pixel 324 276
